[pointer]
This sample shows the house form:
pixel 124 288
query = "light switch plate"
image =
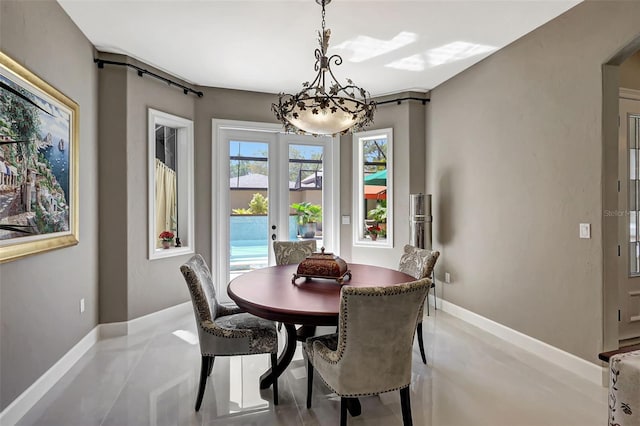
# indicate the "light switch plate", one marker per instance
pixel 346 220
pixel 585 230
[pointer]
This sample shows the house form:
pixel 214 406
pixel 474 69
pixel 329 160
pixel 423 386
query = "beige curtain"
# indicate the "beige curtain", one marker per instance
pixel 166 203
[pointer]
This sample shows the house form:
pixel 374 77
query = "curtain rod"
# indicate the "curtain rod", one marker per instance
pixel 141 71
pixel 399 100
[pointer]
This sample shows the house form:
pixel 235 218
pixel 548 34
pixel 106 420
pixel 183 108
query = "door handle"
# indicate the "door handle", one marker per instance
pixel 273 236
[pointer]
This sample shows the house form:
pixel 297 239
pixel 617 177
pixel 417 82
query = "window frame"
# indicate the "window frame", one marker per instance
pixel 359 209
pixel 185 183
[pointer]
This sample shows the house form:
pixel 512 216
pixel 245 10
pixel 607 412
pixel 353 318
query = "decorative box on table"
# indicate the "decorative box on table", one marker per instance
pixel 323 265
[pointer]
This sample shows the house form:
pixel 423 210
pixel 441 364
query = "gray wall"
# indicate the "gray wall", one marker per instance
pixel 514 160
pixel 131 285
pixel 39 294
pixel 113 267
pixel 157 284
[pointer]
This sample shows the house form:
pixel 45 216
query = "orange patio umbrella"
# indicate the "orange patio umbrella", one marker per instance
pixel 375 192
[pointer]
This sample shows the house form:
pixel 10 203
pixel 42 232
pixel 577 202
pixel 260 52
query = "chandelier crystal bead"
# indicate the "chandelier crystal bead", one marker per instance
pixel 316 110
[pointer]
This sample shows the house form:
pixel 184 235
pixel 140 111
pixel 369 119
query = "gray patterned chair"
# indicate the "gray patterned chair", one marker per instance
pixel 224 331
pixel 624 389
pixel 371 353
pixel 292 252
pixel 419 263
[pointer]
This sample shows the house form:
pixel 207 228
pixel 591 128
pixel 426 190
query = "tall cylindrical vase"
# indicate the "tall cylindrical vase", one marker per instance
pixel 420 220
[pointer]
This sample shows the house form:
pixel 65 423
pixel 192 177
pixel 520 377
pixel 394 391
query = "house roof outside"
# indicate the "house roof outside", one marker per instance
pixel 260 181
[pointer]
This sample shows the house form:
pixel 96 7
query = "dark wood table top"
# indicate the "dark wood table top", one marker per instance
pixel 606 356
pixel 269 293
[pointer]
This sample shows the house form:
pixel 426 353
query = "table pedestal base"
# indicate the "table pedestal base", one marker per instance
pixel 266 380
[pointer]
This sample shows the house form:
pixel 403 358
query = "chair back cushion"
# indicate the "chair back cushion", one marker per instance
pixel 293 252
pixel 375 339
pixel 417 262
pixel 200 284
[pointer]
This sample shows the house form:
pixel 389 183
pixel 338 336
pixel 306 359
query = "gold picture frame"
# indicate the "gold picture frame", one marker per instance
pixel 39 138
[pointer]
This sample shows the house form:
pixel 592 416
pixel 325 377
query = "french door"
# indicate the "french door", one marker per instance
pixel 262 178
pixel 629 202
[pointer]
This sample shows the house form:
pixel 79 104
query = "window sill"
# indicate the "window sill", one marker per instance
pixel 379 243
pixel 170 252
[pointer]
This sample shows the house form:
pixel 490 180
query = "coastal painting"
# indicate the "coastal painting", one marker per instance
pixel 38 164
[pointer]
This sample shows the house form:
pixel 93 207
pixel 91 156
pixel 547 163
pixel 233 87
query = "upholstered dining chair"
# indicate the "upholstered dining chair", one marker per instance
pixel 419 263
pixel 371 353
pixel 292 252
pixel 224 331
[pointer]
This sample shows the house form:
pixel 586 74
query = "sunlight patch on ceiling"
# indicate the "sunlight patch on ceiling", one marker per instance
pixel 364 47
pixel 445 54
pixel 455 51
pixel 410 63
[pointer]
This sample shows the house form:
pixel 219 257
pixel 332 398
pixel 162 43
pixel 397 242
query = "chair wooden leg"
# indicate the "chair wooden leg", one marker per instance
pixel 204 369
pixel 405 402
pixel 309 382
pixel 274 361
pixel 354 407
pixel 420 342
pixel 211 359
pixel 435 296
pixel 343 411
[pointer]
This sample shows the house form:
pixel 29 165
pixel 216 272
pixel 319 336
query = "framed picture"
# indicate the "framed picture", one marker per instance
pixel 39 133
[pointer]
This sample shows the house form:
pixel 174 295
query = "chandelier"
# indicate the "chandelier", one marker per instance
pixel 324 106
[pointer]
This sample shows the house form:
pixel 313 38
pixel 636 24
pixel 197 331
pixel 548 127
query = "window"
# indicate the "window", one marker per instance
pixel 170 185
pixel 373 191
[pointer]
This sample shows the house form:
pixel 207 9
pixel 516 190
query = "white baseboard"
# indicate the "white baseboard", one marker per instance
pixel 585 369
pixel 141 323
pixel 27 399
pixel 115 329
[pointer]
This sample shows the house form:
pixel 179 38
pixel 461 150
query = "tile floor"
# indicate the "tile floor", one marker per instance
pixel 472 379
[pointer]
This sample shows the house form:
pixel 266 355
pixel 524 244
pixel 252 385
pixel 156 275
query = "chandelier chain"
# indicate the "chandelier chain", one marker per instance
pixel 323 16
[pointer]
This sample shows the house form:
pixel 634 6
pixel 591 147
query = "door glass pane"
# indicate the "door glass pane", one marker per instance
pixel 249 201
pixel 633 193
pixel 305 192
pixel 633 136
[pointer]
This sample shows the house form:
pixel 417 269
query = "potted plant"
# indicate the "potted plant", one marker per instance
pixel 167 239
pixel 379 213
pixel 374 231
pixel 308 216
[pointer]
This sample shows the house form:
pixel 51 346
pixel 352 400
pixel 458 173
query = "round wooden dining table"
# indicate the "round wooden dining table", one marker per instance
pixel 269 293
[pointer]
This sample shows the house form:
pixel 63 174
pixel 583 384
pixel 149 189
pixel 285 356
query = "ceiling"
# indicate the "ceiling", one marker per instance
pixel 268 46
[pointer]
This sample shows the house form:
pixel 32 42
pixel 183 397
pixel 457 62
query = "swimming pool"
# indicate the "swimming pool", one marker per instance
pixel 249 245
pixel 249 249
